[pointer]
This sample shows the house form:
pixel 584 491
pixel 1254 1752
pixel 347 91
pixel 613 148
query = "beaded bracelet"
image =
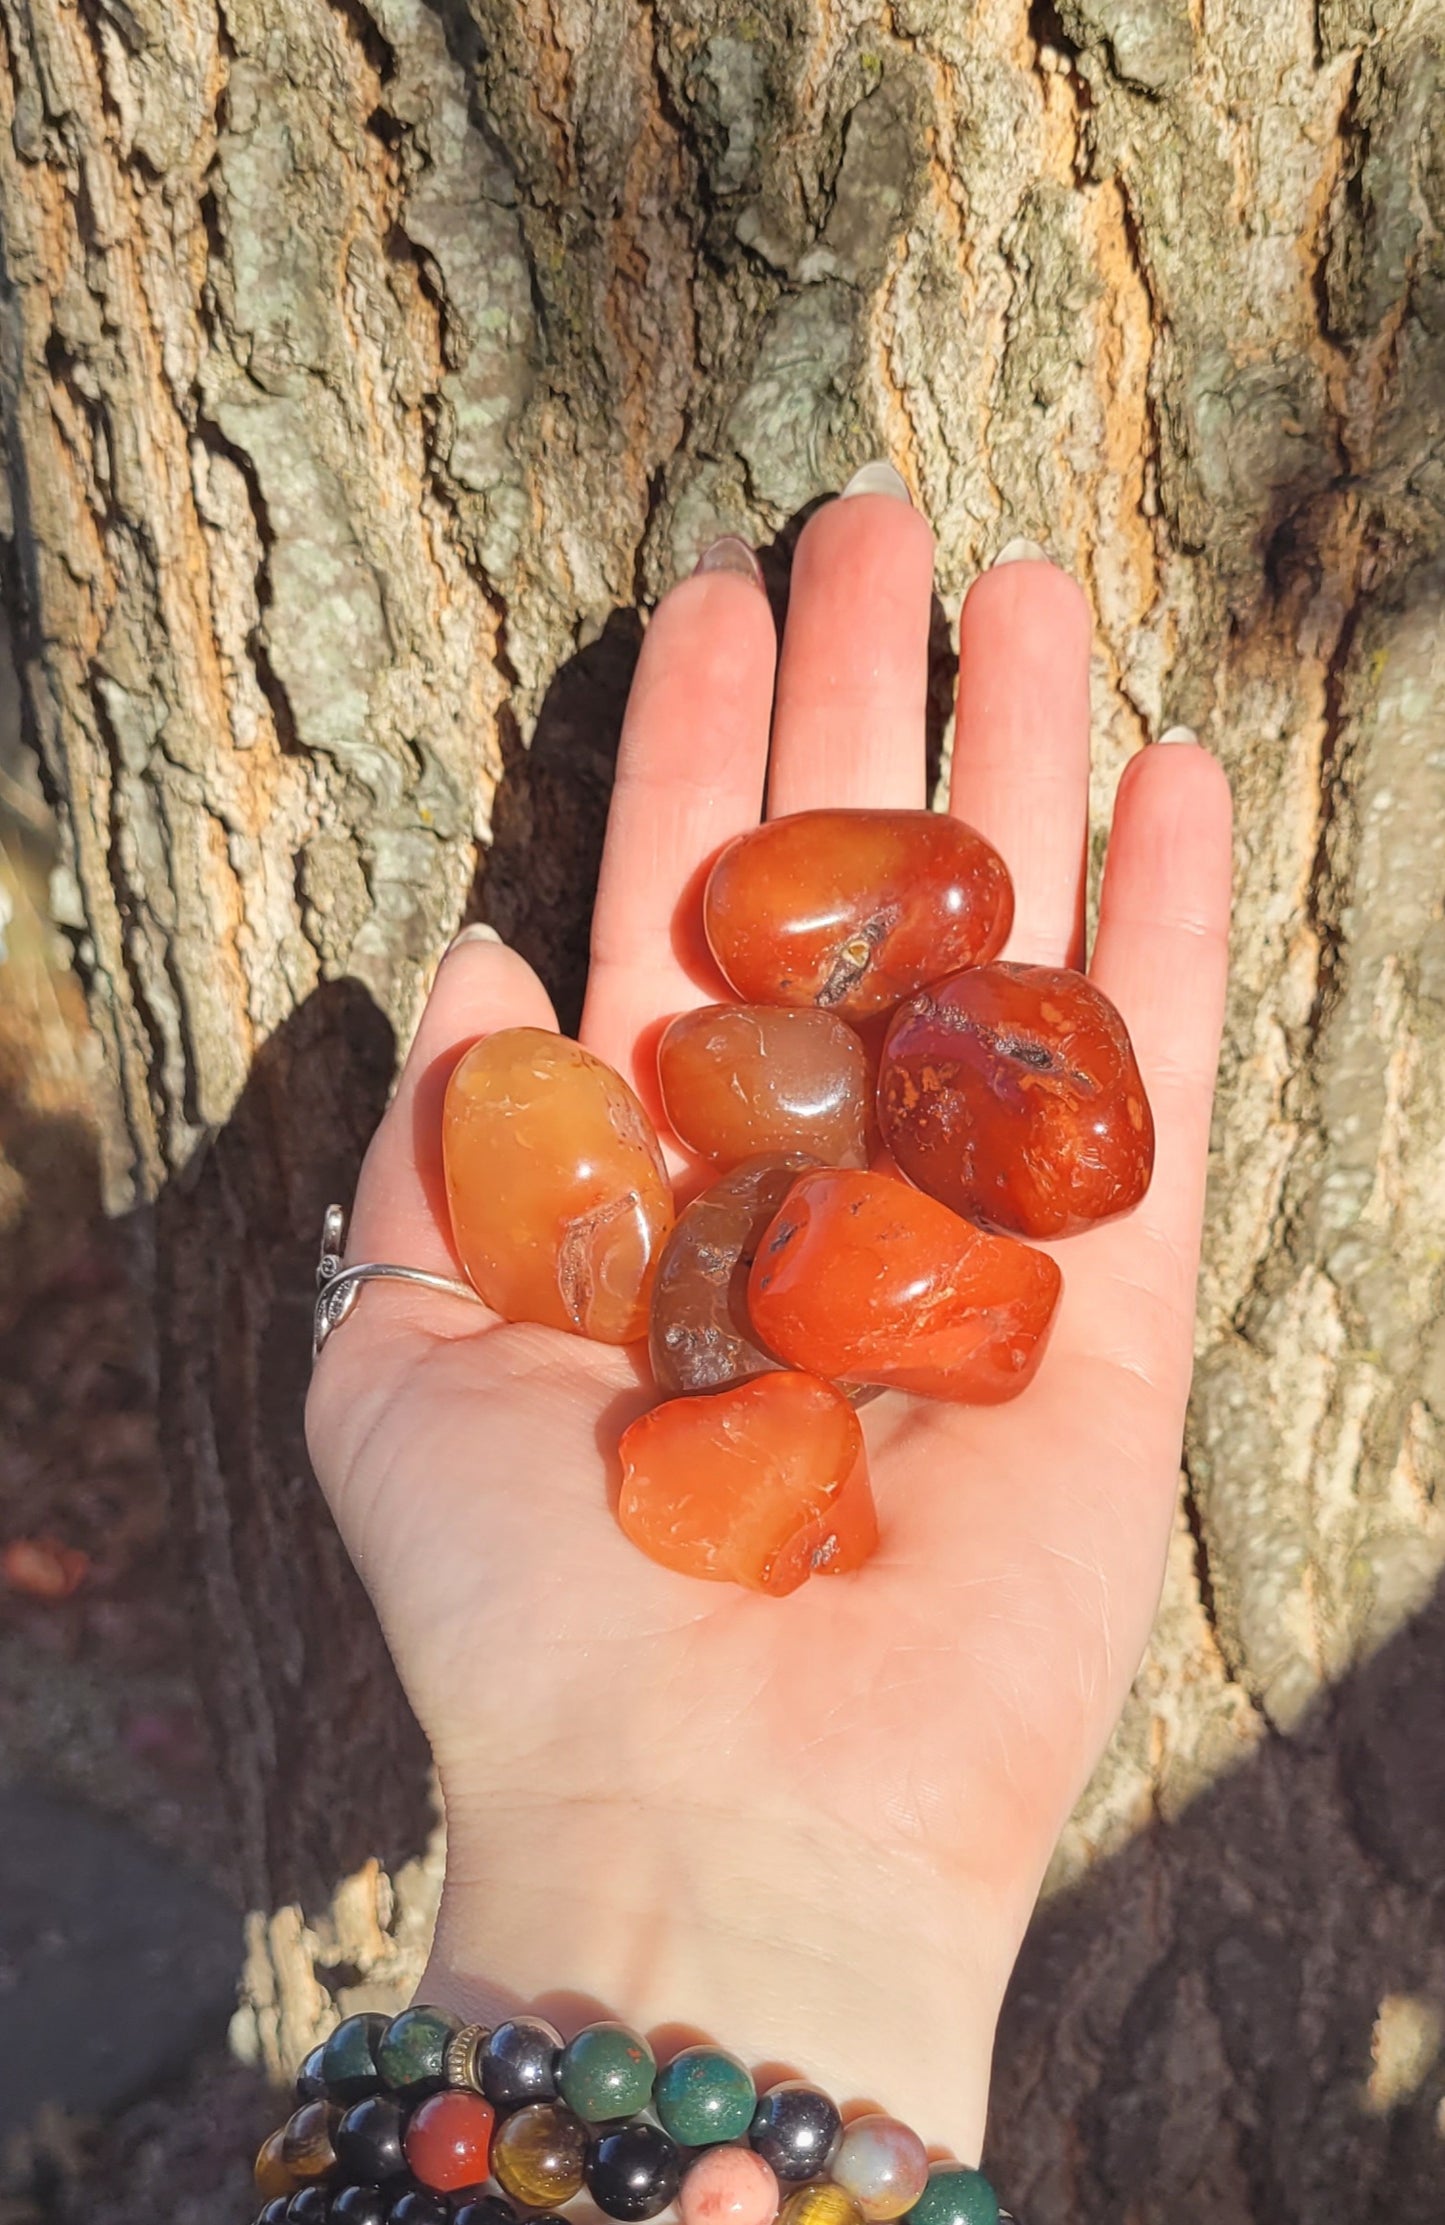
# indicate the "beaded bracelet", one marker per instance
pixel 411 2120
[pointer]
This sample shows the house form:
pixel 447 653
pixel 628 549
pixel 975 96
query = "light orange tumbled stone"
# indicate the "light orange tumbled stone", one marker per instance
pixel 559 1198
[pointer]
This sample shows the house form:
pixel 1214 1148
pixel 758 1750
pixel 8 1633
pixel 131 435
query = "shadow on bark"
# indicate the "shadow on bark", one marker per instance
pixel 323 1763
pixel 1277 1952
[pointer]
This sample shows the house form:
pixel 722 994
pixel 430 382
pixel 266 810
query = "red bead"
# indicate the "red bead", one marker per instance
pixel 449 2140
pixel 1012 1094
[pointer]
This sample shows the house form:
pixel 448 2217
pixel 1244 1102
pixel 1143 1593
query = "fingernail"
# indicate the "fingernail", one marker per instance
pixel 1021 550
pixel 730 553
pixel 478 932
pixel 1180 734
pixel 878 478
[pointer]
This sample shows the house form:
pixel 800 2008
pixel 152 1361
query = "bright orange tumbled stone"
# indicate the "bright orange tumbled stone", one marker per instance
pixel 762 1485
pixel 449 2140
pixel 739 1079
pixel 559 1199
pixel 864 1280
pixel 854 910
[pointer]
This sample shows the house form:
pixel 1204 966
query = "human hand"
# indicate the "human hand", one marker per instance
pixel 814 1827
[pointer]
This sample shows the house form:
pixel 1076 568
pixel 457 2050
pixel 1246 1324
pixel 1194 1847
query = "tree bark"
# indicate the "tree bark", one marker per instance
pixel 366 366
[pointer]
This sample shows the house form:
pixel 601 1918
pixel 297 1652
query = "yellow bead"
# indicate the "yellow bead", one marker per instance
pixel 538 2155
pixel 822 2203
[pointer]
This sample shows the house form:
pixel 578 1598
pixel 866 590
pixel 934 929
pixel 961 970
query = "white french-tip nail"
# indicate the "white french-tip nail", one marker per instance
pixel 478 932
pixel 1020 550
pixel 878 478
pixel 1180 734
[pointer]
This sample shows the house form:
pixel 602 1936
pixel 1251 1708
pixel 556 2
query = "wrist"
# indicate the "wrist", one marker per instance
pixel 864 1969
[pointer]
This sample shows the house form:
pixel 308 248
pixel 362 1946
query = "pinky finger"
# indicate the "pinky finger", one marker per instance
pixel 1162 954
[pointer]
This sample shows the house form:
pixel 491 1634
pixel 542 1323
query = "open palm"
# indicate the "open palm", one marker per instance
pixel 891 1750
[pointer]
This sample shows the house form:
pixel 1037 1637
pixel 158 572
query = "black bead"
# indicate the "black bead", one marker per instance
pixel 360 2205
pixel 490 2209
pixel 310 2079
pixel 312 2206
pixel 519 2062
pixel 795 2128
pixel 275 2212
pixel 418 2207
pixel 634 2171
pixel 369 2140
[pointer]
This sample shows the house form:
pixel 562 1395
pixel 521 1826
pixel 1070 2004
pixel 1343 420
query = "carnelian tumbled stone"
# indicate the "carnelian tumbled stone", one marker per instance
pixel 449 2139
pixel 699 1337
pixel 742 1078
pixel 1012 1094
pixel 864 1280
pixel 854 910
pixel 761 1485
pixel 559 1199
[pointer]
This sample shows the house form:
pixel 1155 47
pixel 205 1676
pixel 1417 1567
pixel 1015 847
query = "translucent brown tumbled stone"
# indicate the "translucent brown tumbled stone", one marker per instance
pixel 700 1337
pixel 559 1199
pixel 743 1078
pixel 854 910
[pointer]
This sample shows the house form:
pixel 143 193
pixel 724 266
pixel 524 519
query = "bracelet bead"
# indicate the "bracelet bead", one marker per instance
pixel 411 2057
pixel 883 2165
pixel 359 2205
pixel 369 2140
pixel 822 2203
pixel 606 2073
pixel 449 2140
pixel 519 2062
pixel 419 2207
pixel 729 2186
pixel 348 2057
pixel 539 2155
pixel 308 2207
pixel 633 2170
pixel 955 2195
pixel 489 2209
pixel 271 2173
pixel 705 2095
pixel 310 2080
pixel 462 2065
pixel 796 2128
pixel 275 2211
pixel 307 2143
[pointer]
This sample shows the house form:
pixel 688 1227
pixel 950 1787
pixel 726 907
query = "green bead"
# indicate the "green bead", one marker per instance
pixel 955 2195
pixel 348 2059
pixel 705 2096
pixel 606 2072
pixel 412 2056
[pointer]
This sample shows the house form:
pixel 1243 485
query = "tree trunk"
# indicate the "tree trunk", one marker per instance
pixel 366 365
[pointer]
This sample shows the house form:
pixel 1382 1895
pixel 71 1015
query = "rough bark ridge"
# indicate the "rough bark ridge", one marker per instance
pixel 365 363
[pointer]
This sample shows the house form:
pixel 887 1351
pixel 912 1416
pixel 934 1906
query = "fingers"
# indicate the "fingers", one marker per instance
pixel 689 776
pixel 848 727
pixel 1021 746
pixel 1161 954
pixel 401 1210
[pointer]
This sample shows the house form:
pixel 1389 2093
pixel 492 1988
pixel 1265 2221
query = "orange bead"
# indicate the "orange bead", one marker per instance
pixel 854 909
pixel 272 2175
pixel 762 1485
pixel 449 2141
pixel 559 1198
pixel 739 1079
pixel 865 1280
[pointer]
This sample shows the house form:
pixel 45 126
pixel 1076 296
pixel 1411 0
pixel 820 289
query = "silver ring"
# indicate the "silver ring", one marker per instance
pixel 338 1287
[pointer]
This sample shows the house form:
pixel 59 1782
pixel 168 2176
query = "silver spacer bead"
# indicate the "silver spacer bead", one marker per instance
pixel 461 2065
